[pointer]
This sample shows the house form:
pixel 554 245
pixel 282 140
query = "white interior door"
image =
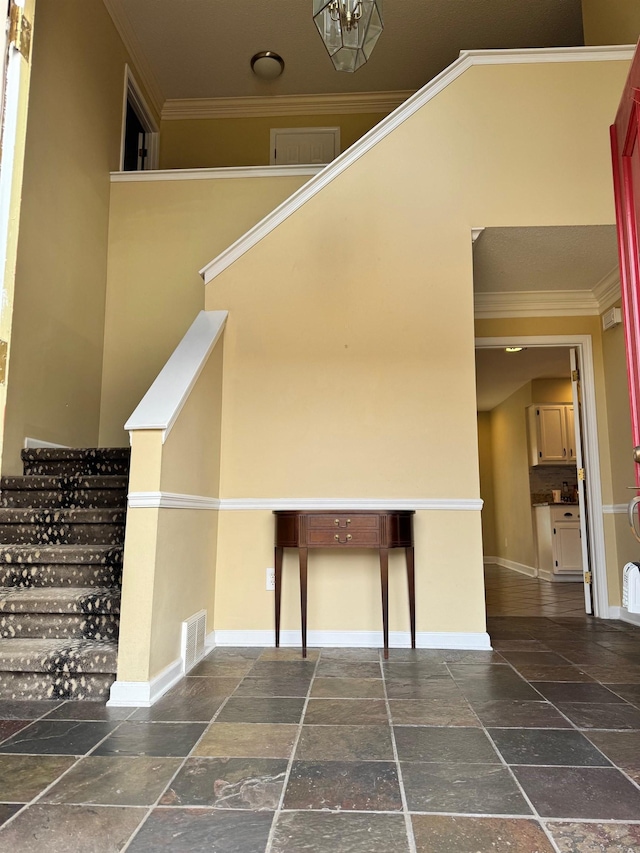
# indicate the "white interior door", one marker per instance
pixel 297 146
pixel 582 492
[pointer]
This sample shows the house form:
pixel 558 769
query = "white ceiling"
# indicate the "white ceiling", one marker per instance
pixel 202 48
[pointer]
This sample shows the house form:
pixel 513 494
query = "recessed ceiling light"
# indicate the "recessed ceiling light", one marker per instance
pixel 267 65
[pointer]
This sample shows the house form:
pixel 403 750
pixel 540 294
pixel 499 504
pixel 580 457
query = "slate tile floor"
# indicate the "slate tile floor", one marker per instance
pixel 532 747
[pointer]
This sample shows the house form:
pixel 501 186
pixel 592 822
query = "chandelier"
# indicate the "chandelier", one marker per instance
pixel 349 30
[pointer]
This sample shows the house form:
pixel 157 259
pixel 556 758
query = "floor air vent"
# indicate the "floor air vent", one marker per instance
pixel 193 634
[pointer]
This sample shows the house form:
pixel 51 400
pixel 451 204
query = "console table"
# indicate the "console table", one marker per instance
pixel 379 529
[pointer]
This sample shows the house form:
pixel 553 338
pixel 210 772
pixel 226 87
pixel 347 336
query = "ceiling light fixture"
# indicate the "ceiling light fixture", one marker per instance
pixel 349 30
pixel 267 65
pixel 513 349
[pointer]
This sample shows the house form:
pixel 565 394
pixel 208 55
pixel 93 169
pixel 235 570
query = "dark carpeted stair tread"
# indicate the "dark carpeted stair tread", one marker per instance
pixel 76 461
pixel 74 453
pixel 24 515
pixel 38 655
pixel 67 600
pixel 61 554
pixel 61 481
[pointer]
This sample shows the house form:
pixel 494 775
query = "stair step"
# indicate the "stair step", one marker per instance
pixel 48 555
pixel 54 669
pixel 57 626
pixel 85 461
pixel 67 600
pixel 64 492
pixel 62 526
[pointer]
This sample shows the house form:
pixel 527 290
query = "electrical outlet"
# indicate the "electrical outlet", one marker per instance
pixel 271 579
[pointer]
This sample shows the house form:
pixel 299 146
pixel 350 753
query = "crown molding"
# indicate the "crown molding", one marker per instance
pixel 467 60
pixel 533 303
pixel 139 60
pixel 283 105
pixel 607 290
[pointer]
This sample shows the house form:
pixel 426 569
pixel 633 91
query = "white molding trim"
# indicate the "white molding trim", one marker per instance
pixel 490 561
pixel 623 614
pixel 614 509
pixel 133 94
pixel 343 103
pixel 209 642
pixel 607 290
pixel 357 639
pixel 521 568
pixel 32 443
pixel 143 694
pixel 466 60
pixel 591 453
pixel 125 30
pixel 163 402
pixel 170 500
pixel 535 303
pixel 217 174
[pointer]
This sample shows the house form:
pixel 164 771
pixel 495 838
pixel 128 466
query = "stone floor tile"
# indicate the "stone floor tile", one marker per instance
pixel 23 777
pixel 505 713
pixel 586 715
pixel 439 834
pixel 282 686
pixel 533 672
pixel 7 810
pixel 347 688
pixel 248 740
pixel 459 787
pixel 345 743
pixel 611 676
pixel 619 747
pixel 595 837
pixel 235 653
pixel 432 712
pixel 283 669
pixel 415 688
pixel 13 709
pixel 351 654
pixel 466 745
pixel 547 746
pixel 629 692
pixel 58 737
pixel 211 686
pixel 203 831
pixel 181 709
pixel 343 786
pixel 161 739
pixel 289 654
pixel 10 727
pixel 557 692
pixel 88 711
pixel 534 658
pixel 220 668
pixel 246 709
pixel 54 829
pixel 596 793
pixel 228 783
pixel 348 668
pixel 114 780
pixel 331 832
pixel 346 712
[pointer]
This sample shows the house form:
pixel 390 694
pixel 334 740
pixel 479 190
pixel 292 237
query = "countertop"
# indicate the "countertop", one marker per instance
pixel 560 503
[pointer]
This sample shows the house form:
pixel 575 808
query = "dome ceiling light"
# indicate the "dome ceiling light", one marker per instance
pixel 349 30
pixel 267 65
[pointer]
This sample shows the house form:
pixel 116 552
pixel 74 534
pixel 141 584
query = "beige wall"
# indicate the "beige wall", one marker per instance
pixel 203 143
pixel 361 383
pixel 611 21
pixel 485 457
pixel 170 554
pixel 160 234
pixel 73 140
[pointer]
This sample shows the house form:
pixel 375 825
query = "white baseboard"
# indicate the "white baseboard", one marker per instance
pixel 32 443
pixel 546 575
pixel 143 694
pixel 489 560
pixel 521 568
pixel 357 639
pixel 623 614
pixel 210 642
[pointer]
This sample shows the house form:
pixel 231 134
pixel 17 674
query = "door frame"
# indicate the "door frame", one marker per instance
pixel 133 95
pixel 591 454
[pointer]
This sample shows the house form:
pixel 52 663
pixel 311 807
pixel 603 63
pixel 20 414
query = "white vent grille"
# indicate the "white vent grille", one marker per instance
pixel 193 634
pixel 611 318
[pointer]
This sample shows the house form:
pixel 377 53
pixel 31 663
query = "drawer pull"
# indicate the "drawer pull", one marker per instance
pixel 348 539
pixel 568 515
pixel 337 521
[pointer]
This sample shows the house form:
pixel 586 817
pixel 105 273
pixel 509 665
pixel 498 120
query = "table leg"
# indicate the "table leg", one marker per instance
pixel 384 580
pixel 411 578
pixel 278 589
pixel 303 598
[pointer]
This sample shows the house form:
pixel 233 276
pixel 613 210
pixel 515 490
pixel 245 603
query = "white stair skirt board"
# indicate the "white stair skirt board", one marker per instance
pixel 623 614
pixel 530 571
pixel 143 694
pixel 358 639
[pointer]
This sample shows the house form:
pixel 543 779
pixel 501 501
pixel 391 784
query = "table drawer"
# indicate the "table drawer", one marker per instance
pixel 565 513
pixel 343 521
pixel 346 536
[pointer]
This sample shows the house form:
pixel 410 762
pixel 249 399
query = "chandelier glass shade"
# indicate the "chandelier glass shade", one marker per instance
pixel 349 30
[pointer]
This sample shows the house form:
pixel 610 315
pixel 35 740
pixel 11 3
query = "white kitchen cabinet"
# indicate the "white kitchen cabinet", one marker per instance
pixel 551 434
pixel 558 541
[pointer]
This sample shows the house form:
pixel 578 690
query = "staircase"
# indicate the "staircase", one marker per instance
pixel 61 543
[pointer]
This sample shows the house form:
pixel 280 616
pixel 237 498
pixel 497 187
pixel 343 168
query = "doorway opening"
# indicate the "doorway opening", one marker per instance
pixel 140 146
pixel 560 537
